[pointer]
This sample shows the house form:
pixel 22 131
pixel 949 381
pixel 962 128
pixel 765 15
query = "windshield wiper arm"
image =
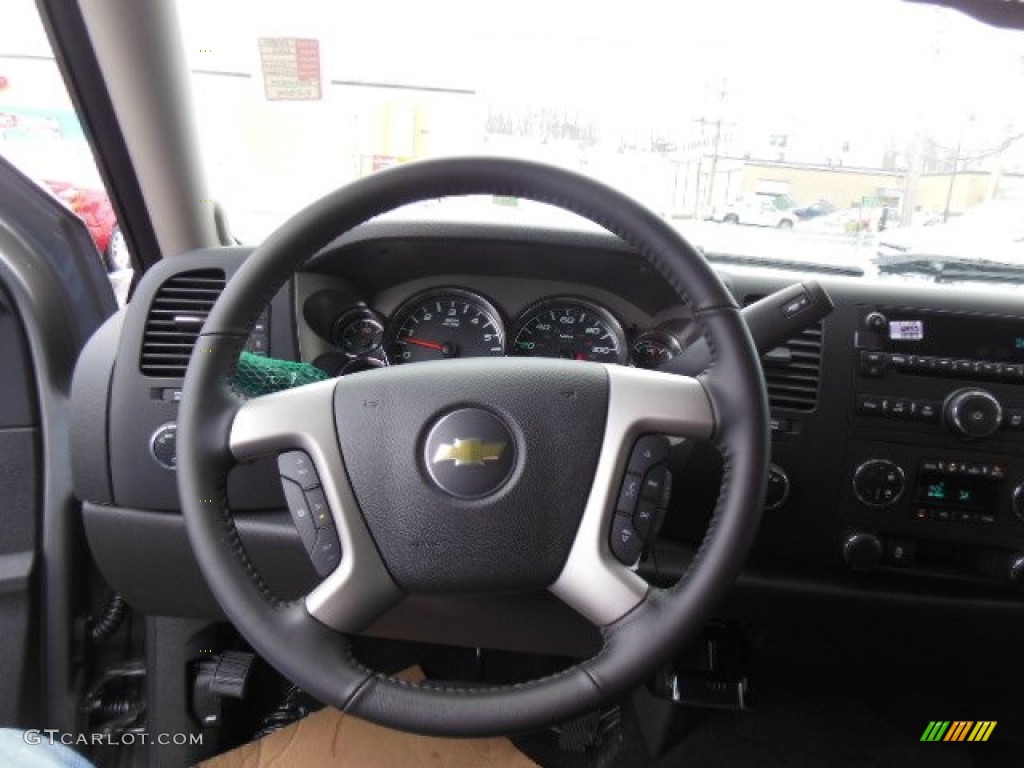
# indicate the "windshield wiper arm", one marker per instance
pixel 793 264
pixel 952 269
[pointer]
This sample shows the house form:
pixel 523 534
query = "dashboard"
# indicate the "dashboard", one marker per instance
pixel 897 421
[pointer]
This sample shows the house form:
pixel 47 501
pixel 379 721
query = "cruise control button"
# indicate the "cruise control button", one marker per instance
pixel 648 451
pixel 643 518
pixel 625 542
pixel 299 509
pixel 326 552
pixel 654 483
pixel 630 492
pixel 298 467
pixel 318 509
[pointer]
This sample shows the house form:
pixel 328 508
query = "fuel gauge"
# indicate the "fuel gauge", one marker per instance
pixel 653 349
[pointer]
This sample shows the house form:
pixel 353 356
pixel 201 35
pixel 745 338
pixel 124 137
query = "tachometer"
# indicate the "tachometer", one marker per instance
pixel 444 324
pixel 571 329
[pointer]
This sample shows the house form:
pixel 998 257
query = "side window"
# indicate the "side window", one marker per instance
pixel 41 136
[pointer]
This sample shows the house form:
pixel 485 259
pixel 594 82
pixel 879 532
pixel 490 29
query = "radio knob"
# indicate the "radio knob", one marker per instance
pixel 1015 570
pixel 862 551
pixel 879 482
pixel 973 413
pixel 1017 501
pixel 876 321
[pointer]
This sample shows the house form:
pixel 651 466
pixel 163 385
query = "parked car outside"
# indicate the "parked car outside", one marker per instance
pixel 814 210
pixel 94 208
pixel 758 210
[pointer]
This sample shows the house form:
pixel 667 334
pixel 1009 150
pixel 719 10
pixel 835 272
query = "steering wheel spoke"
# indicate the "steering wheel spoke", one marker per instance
pixel 595 582
pixel 357 587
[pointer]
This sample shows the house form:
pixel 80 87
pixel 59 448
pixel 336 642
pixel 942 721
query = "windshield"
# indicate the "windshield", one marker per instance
pixel 793 129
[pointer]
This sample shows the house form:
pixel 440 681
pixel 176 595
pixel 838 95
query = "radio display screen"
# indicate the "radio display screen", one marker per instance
pixel 972 337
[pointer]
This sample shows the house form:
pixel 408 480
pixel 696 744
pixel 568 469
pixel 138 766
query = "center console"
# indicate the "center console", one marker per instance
pixel 934 478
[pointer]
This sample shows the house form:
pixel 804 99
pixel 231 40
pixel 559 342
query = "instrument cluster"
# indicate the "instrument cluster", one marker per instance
pixel 454 322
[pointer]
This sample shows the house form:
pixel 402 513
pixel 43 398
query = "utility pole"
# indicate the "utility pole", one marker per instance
pixel 716 145
pixel 704 197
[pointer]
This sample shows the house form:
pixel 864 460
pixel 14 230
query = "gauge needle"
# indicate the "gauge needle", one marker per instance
pixel 422 343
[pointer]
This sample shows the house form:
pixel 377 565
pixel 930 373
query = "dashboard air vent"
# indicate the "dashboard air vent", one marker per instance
pixel 176 315
pixel 792 371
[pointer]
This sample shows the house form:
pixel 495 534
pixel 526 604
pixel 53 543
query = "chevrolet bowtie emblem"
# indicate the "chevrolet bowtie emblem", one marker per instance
pixel 472 451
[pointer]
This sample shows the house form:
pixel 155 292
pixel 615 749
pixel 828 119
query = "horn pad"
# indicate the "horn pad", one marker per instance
pixel 472 475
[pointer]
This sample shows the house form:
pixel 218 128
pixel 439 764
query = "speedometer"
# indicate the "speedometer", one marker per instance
pixel 443 324
pixel 570 329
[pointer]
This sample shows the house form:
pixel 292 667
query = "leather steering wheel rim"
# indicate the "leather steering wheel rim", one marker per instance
pixel 318 658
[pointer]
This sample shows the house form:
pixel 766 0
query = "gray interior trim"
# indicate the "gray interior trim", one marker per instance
pixel 593 582
pixel 138 47
pixel 37 300
pixel 15 569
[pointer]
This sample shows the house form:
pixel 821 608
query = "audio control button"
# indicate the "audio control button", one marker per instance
pixel 870 405
pixel 973 413
pixel 927 410
pixel 1013 418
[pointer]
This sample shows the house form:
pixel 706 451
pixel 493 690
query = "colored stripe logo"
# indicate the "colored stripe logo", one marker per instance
pixel 958 730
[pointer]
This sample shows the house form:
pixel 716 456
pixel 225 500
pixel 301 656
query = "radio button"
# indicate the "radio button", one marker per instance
pixel 873 364
pixel 942 515
pixel 870 405
pixel 927 410
pixel 963 366
pixel 919 363
pixel 943 365
pixel 899 361
pixel 1013 372
pixel 985 518
pixel 899 407
pixel 1013 418
pixel 963 517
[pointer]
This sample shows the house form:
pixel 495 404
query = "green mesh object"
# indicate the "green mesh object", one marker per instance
pixel 257 375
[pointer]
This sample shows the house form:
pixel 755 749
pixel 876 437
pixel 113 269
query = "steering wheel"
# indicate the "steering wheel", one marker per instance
pixel 473 476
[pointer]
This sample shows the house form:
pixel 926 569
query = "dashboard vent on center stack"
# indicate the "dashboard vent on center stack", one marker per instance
pixel 792 370
pixel 175 318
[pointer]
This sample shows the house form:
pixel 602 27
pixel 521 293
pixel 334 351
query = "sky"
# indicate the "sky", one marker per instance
pixel 859 63
pixel 849 65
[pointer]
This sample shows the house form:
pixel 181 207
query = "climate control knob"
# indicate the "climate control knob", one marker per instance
pixel 879 482
pixel 862 551
pixel 973 413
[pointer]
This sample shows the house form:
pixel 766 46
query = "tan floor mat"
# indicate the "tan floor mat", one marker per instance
pixel 330 738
